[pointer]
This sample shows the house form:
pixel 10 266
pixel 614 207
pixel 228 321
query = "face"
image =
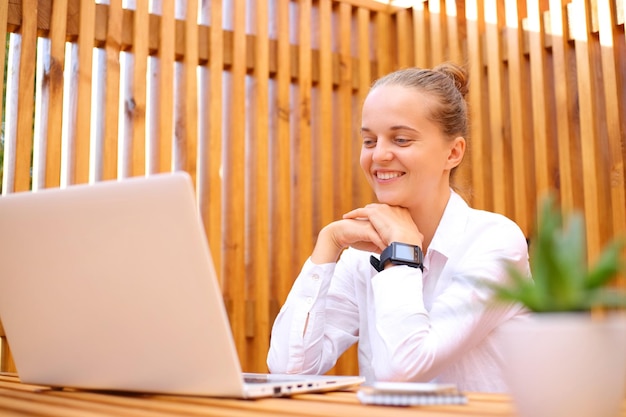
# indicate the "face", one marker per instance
pixel 405 156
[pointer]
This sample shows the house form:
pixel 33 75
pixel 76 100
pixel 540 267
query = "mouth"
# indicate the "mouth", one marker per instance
pixel 388 175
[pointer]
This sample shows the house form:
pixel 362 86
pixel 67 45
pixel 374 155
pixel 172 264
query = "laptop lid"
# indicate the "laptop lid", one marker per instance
pixel 111 286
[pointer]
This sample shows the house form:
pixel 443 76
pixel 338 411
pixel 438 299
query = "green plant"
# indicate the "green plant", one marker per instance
pixel 562 280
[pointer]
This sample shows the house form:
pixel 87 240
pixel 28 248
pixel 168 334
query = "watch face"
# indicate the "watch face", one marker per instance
pixel 405 252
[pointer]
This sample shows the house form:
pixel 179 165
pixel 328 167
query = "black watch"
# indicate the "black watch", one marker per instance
pixel 402 254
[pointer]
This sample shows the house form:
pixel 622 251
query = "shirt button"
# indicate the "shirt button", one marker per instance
pixel 309 300
pixel 315 277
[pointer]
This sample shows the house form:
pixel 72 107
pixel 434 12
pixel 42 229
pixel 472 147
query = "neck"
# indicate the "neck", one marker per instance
pixel 428 215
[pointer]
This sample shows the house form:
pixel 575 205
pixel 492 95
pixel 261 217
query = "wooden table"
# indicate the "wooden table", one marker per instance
pixel 17 399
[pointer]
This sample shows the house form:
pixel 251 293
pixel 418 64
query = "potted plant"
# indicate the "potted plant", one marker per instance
pixel 569 357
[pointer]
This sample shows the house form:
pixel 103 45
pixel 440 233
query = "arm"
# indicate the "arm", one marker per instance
pixel 414 343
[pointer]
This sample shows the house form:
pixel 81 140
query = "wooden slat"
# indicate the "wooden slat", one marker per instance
pixel 325 108
pixel 593 184
pixel 455 26
pixel 404 44
pixel 282 238
pixel 210 191
pixel 613 50
pixel 347 160
pixel 567 133
pixel 137 103
pixel 519 105
pixel 25 106
pixel 82 133
pixel 384 44
pixel 363 193
pixel 55 81
pixel 258 278
pixel 234 184
pixel 495 77
pixel 544 155
pixel 112 49
pixel 191 88
pixel 343 149
pixel 303 169
pixel 437 34
pixel 165 99
pixel 421 23
pixel 477 102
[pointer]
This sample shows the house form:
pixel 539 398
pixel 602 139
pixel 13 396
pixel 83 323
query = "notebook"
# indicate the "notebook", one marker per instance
pixel 111 286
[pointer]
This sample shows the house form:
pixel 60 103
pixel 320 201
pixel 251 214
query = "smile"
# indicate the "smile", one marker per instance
pixel 388 175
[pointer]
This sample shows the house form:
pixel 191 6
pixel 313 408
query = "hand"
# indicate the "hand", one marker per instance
pixel 338 235
pixel 391 223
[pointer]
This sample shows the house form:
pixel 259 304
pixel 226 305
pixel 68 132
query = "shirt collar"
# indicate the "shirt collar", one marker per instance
pixel 451 225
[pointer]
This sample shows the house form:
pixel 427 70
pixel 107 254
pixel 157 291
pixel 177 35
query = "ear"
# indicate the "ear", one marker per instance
pixel 457 151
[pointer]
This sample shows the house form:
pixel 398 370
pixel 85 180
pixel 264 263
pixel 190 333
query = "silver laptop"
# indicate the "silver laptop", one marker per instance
pixel 111 286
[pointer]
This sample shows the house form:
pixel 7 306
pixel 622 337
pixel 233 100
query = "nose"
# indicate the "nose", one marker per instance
pixel 382 151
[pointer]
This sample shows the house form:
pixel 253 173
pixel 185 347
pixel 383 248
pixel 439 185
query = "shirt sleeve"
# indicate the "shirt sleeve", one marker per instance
pixel 312 329
pixel 412 343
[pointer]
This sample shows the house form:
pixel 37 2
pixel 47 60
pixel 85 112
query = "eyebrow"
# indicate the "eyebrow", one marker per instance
pixel 397 127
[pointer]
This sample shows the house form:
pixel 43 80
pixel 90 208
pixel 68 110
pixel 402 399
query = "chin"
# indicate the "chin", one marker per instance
pixel 390 200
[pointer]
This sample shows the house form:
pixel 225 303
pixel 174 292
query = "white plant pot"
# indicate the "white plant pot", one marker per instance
pixel 562 364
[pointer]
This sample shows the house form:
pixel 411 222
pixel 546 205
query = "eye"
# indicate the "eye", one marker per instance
pixel 402 141
pixel 369 142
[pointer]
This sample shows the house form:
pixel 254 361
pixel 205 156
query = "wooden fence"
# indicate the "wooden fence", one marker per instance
pixel 259 102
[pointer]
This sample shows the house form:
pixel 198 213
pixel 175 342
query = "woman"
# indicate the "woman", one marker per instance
pixel 426 315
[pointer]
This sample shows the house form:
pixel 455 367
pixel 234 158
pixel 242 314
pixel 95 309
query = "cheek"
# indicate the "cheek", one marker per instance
pixel 365 160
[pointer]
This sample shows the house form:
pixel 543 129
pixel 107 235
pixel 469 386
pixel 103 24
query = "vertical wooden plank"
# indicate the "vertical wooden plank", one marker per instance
pixel 455 30
pixel 567 132
pixel 544 156
pixel 191 88
pixel 165 105
pixel 519 104
pixel 612 52
pixel 497 111
pixel 54 75
pixel 303 170
pixel 40 128
pixel 10 116
pixel 259 276
pixel 324 140
pixel 594 188
pixel 437 31
pixel 344 147
pixel 405 49
pixel 112 48
pixel 211 193
pixel 234 169
pixel 25 106
pixel 82 133
pixel 455 26
pixel 347 164
pixel 138 110
pixel 384 44
pixel 363 191
pixel 281 167
pixel 477 102
pixel 421 23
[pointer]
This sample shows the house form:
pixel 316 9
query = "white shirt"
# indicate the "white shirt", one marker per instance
pixel 411 326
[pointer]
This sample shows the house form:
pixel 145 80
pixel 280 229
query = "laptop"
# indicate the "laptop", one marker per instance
pixel 111 286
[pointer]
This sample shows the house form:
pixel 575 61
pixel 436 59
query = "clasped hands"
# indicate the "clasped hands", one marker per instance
pixel 371 228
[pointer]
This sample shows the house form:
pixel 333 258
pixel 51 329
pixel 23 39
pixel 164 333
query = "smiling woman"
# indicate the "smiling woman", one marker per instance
pixel 418 313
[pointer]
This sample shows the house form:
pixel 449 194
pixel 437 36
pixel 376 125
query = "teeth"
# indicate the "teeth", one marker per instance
pixel 387 175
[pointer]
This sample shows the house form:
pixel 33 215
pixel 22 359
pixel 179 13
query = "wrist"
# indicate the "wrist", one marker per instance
pixel 327 249
pixel 398 253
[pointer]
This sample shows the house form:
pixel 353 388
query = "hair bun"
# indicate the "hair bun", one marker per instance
pixel 457 73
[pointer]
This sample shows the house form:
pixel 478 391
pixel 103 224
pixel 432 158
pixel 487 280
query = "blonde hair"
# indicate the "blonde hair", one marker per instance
pixel 447 83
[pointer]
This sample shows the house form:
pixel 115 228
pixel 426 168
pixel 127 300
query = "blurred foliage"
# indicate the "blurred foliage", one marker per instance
pixel 561 279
